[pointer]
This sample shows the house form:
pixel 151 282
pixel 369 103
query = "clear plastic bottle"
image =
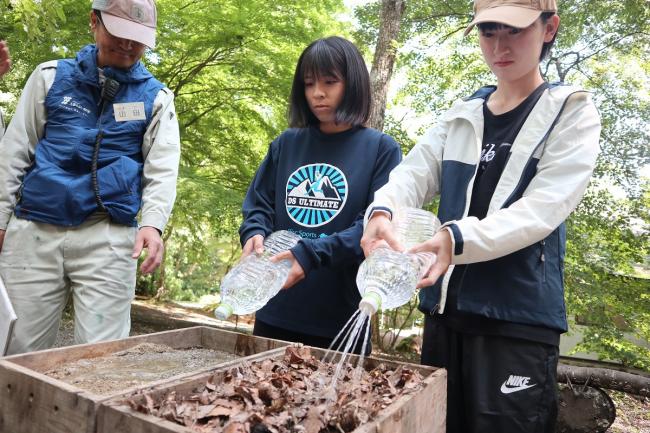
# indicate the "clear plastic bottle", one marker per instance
pixel 387 279
pixel 256 279
pixel 414 226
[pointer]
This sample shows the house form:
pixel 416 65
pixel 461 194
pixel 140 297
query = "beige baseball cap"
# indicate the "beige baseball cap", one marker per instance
pixel 129 19
pixel 514 13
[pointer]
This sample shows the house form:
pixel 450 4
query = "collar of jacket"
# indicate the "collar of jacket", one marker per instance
pixel 86 69
pixel 471 107
pixel 538 127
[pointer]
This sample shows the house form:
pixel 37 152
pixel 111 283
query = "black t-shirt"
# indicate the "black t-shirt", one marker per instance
pixel 499 132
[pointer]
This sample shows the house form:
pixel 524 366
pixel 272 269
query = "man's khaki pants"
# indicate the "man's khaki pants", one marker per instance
pixel 42 264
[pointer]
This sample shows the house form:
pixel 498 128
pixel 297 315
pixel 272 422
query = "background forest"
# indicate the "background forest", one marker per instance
pixel 230 64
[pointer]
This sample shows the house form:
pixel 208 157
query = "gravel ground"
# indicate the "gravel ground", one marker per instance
pixel 632 413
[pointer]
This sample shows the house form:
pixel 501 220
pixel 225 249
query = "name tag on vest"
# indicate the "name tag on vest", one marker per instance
pixel 129 111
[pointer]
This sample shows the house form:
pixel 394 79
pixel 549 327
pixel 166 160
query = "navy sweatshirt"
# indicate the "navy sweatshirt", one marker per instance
pixel 318 186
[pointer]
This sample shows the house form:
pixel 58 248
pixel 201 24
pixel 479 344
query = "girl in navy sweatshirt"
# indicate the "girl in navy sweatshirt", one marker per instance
pixel 316 180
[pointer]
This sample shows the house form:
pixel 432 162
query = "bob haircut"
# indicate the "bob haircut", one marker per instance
pixel 546 48
pixel 336 57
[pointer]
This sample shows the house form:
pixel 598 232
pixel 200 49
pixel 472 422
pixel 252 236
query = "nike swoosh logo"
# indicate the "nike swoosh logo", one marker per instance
pixel 508 390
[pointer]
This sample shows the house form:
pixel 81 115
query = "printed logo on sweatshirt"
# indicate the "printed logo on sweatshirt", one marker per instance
pixel 316 193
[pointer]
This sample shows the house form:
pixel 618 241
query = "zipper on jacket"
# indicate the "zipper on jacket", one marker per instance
pixel 460 284
pixel 542 258
pixel 542 142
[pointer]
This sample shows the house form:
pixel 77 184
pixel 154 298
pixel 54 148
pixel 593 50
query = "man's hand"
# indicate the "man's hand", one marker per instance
pixel 440 245
pixel 379 233
pixel 254 244
pixel 5 60
pixel 296 273
pixel 149 238
pixel 2 238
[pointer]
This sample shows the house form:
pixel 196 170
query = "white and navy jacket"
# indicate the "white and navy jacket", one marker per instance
pixel 522 238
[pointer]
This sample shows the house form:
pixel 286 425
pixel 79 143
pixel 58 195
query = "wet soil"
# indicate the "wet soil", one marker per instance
pixel 140 365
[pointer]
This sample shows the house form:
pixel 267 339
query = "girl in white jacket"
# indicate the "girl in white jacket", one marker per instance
pixel 509 163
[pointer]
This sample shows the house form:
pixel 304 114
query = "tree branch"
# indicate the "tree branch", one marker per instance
pixel 604 378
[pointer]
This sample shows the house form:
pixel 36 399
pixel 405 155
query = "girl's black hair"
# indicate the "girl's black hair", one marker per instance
pixel 340 58
pixel 546 48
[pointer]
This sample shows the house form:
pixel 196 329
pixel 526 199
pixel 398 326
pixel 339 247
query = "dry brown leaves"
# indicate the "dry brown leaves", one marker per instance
pixel 292 394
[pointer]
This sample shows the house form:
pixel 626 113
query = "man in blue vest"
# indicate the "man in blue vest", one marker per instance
pixel 93 142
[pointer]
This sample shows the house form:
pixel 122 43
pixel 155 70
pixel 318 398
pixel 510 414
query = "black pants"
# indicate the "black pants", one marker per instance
pixel 262 329
pixel 495 384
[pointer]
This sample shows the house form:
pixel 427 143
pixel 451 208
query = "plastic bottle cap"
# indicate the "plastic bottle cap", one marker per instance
pixel 223 311
pixel 370 303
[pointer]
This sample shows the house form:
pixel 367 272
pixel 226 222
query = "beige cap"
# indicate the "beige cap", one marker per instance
pixel 129 19
pixel 514 13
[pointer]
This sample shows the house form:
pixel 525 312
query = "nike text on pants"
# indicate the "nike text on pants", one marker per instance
pixel 494 383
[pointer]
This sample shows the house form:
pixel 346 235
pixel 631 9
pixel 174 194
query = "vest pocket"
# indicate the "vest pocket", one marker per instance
pixel 119 189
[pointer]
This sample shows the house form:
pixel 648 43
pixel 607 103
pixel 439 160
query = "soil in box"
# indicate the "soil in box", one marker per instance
pixel 288 394
pixel 60 390
pixel 137 366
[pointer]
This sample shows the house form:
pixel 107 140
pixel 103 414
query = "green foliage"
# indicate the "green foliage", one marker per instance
pixel 230 65
pixel 38 31
pixel 393 322
pixel 421 18
pixel 395 129
pixel 36 19
pixel 604 291
pixel 231 73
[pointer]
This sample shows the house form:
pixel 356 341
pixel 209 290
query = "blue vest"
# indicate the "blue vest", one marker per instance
pixel 57 188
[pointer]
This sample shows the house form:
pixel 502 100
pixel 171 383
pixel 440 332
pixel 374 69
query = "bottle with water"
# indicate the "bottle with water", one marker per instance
pixel 387 278
pixel 256 279
pixel 412 226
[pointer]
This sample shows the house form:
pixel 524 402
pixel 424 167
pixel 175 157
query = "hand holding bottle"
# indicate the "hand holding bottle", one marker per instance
pixel 253 244
pixel 258 277
pixel 389 276
pixel 296 273
pixel 441 246
pixel 379 232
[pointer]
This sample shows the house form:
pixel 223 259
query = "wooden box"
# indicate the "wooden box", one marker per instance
pixel 31 402
pixel 421 412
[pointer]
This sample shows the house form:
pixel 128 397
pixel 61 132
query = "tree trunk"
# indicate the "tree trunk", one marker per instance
pixel 376 332
pixel 604 378
pixel 384 60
